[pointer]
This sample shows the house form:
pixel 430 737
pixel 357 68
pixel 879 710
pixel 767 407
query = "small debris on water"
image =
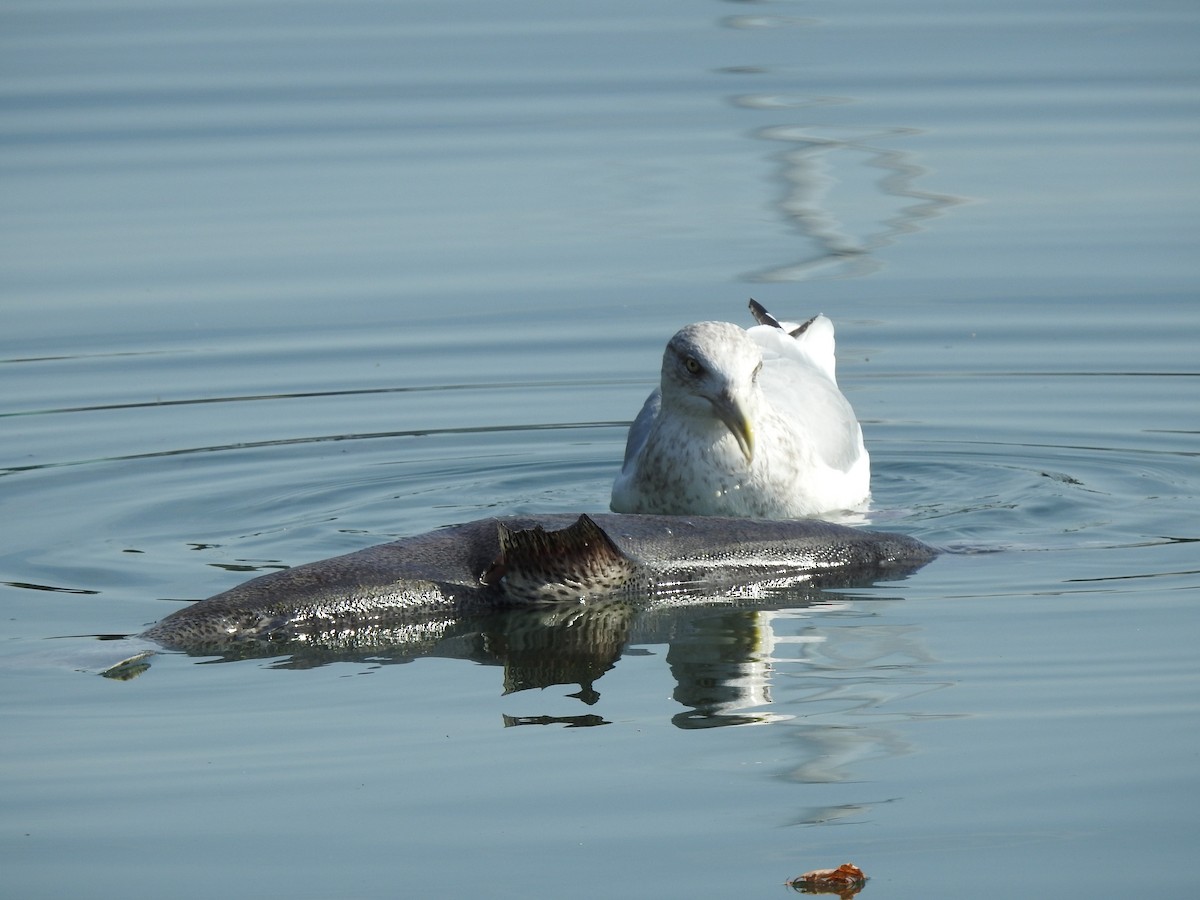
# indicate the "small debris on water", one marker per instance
pixel 845 881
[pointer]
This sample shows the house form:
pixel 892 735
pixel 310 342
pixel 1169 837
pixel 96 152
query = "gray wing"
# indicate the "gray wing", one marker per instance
pixel 639 431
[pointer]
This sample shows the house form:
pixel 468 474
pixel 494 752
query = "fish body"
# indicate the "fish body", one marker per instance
pixel 515 562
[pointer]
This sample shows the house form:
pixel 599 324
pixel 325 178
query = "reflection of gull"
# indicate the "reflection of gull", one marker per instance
pixel 806 172
pixel 746 423
pixel 723 667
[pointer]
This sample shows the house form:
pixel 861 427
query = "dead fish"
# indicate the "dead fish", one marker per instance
pixel 528 561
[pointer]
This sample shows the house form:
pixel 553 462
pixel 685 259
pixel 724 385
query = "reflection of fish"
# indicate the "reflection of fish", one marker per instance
pixel 556 561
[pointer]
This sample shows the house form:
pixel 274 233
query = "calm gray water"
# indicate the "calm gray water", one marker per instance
pixel 280 281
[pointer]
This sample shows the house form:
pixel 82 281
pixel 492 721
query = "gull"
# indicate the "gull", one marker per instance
pixel 746 423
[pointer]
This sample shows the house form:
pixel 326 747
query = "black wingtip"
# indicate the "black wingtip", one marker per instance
pixel 762 316
pixel 765 318
pixel 796 332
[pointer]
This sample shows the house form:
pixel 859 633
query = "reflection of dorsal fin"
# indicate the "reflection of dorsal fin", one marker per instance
pixel 573 564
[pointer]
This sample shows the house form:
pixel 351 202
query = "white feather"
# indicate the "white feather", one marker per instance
pixel 683 457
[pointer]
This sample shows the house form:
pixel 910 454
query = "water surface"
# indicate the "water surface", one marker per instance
pixel 283 281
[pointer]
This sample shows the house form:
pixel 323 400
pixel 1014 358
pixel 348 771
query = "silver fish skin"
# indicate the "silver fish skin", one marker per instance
pixel 521 561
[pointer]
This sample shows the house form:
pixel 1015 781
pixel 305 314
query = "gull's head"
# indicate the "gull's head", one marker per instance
pixel 710 370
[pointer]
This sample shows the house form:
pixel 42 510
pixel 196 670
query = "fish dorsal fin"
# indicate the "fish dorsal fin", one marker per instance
pixel 571 565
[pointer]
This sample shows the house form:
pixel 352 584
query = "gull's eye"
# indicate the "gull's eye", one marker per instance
pixel 692 365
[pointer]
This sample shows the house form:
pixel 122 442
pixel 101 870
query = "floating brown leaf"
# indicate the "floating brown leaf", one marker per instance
pixel 846 881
